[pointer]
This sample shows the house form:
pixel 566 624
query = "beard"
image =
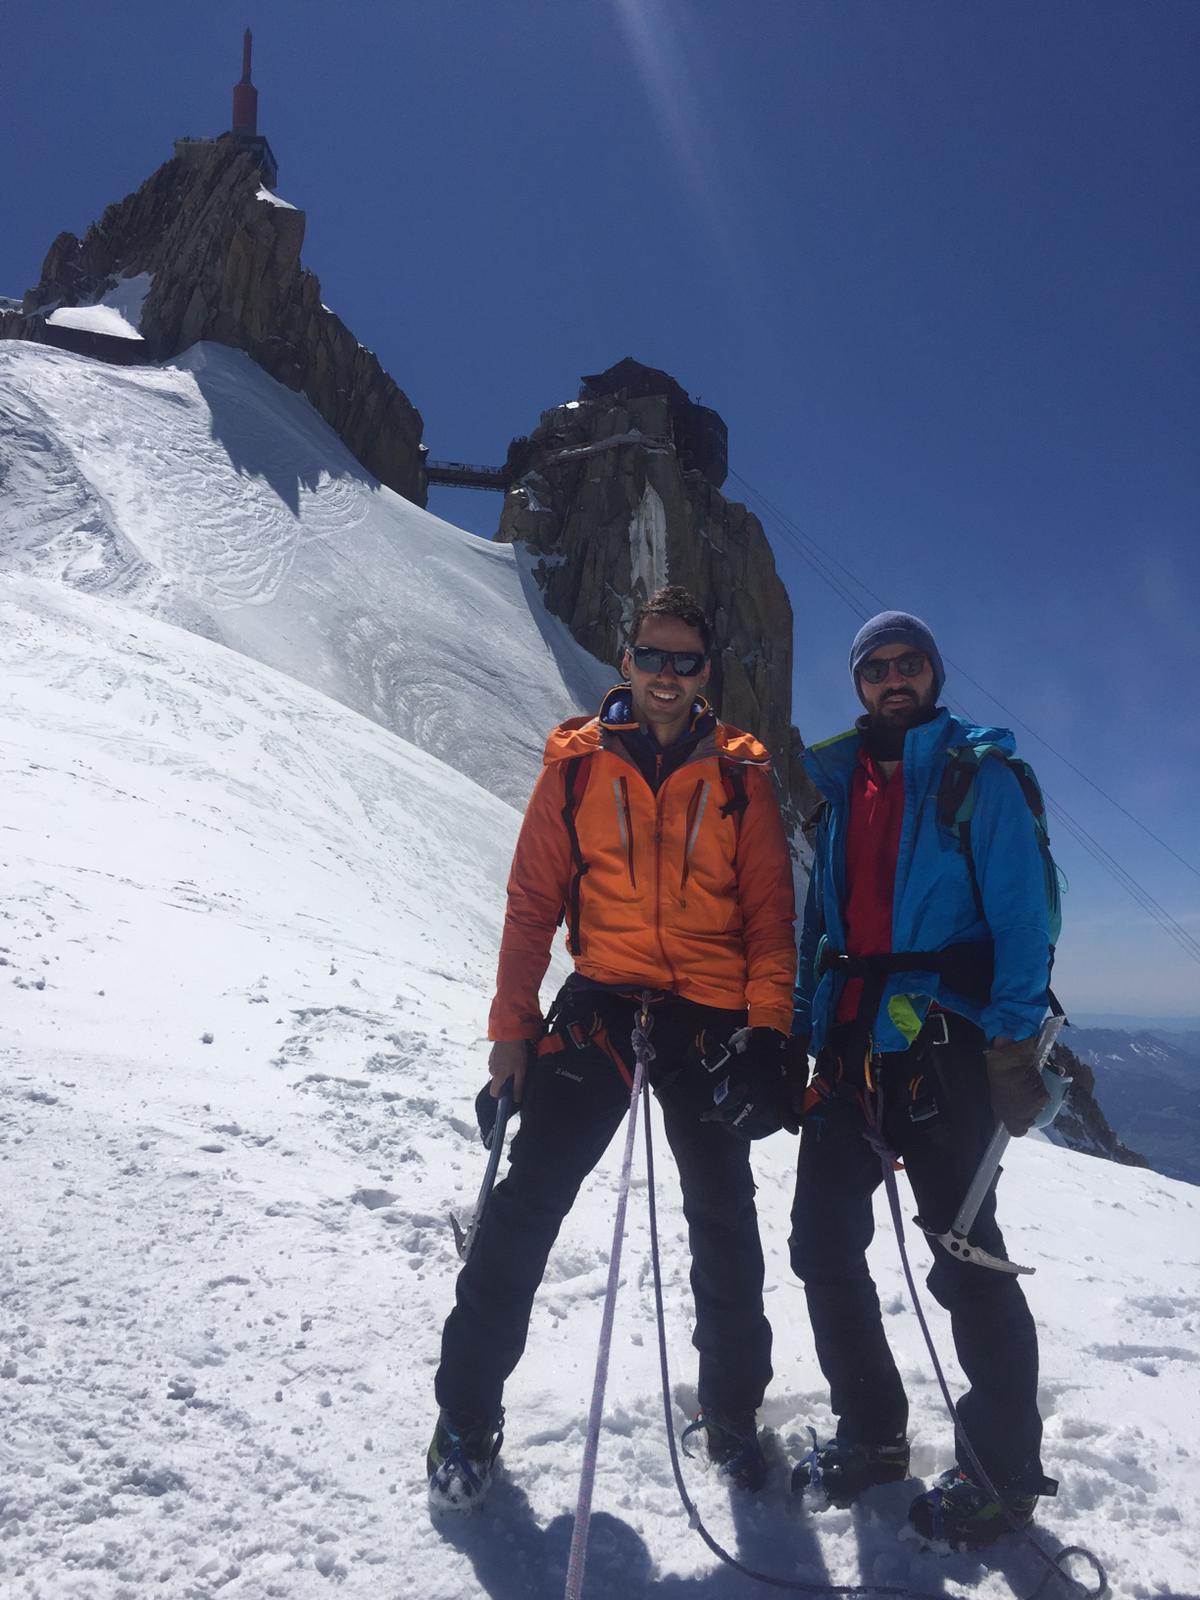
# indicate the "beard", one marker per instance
pixel 883 729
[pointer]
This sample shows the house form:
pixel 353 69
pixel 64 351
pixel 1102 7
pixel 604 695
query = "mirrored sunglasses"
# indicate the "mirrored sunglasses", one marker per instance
pixel 684 663
pixel 911 666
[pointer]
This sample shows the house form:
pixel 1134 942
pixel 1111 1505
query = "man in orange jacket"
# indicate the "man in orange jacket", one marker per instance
pixel 654 832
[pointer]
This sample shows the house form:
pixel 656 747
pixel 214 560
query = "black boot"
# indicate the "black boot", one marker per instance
pixel 460 1460
pixel 733 1448
pixel 842 1470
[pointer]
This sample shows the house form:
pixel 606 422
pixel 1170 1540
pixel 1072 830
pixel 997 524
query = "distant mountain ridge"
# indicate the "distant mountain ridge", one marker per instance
pixel 1149 1085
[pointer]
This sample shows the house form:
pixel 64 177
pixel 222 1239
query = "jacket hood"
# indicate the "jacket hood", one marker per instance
pixel 580 736
pixel 830 763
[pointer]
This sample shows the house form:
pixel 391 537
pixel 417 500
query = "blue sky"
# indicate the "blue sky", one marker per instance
pixel 935 264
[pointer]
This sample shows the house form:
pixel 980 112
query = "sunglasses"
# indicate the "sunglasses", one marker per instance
pixel 911 666
pixel 683 663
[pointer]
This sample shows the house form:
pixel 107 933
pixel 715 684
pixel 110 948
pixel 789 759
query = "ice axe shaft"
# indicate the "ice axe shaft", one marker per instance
pixel 956 1241
pixel 465 1238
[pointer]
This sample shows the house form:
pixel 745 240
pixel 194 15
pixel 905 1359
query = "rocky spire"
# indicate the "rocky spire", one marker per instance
pixel 618 492
pixel 224 256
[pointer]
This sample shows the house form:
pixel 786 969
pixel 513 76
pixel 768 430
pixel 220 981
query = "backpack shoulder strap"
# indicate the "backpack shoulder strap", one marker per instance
pixel 733 780
pixel 575 782
pixel 956 802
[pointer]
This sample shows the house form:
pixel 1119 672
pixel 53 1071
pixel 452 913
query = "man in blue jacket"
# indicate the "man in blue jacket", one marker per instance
pixel 921 988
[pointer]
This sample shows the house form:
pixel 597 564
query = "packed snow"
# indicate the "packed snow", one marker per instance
pixel 205 493
pixel 117 313
pixel 247 935
pixel 264 194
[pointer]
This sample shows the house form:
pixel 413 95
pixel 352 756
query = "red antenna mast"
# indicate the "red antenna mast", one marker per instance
pixel 245 95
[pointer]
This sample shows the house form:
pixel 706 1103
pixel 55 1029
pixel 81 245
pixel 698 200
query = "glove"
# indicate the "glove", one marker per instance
pixel 753 1101
pixel 1016 1086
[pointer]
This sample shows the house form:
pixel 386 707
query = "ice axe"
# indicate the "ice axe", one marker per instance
pixel 1057 1083
pixel 492 1132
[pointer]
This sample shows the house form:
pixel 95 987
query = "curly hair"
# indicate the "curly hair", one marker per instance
pixel 672 601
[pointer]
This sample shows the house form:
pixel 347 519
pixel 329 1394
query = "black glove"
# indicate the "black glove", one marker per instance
pixel 753 1099
pixel 1016 1086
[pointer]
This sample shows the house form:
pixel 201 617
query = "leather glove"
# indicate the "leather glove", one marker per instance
pixel 1016 1086
pixel 752 1101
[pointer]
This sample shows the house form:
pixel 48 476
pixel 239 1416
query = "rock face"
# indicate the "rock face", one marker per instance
pixel 1081 1124
pixel 618 493
pixel 226 262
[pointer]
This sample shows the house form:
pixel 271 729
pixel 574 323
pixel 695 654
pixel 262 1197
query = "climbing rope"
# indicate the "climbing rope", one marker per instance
pixel 1053 1564
pixel 857 1590
pixel 643 1055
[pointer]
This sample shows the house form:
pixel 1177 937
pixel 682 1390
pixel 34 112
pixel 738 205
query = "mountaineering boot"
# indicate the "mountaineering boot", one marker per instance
pixel 841 1470
pixel 460 1460
pixel 957 1512
pixel 732 1446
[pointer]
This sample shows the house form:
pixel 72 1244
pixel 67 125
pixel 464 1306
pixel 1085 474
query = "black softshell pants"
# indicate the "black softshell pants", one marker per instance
pixel 938 1119
pixel 576 1097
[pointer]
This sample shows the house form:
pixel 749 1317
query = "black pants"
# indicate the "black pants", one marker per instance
pixel 938 1119
pixel 576 1097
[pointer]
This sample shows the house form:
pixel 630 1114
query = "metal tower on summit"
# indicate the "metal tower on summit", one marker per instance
pixel 245 95
pixel 245 117
pixel 244 130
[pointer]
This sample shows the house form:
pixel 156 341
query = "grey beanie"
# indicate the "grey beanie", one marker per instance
pixel 896 627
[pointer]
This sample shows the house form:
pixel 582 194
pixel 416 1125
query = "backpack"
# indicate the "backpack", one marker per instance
pixel 733 779
pixel 956 807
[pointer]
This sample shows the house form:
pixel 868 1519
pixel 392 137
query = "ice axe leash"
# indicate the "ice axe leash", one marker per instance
pixel 464 1238
pixel 643 1052
pixel 957 1239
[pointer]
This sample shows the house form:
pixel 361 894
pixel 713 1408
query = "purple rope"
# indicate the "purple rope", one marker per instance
pixel 643 1054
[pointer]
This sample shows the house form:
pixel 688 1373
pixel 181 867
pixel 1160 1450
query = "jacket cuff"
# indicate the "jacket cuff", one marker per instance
pixel 1012 1020
pixel 777 1017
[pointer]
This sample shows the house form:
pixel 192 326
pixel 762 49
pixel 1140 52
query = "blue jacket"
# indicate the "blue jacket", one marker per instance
pixel 933 904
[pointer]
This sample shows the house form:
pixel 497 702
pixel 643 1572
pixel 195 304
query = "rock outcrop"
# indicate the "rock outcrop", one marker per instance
pixel 225 259
pixel 617 493
pixel 1081 1124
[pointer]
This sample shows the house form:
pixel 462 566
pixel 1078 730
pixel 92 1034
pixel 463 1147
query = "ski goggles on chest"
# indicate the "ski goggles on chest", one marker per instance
pixel 910 666
pixel 683 663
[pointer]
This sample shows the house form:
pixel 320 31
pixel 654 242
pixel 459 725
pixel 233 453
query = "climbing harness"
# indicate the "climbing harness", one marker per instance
pixel 643 1053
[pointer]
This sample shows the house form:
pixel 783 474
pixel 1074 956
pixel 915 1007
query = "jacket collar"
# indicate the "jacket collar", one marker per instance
pixel 616 713
pixel 831 764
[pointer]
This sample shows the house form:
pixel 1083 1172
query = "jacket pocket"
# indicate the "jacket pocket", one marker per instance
pixel 697 805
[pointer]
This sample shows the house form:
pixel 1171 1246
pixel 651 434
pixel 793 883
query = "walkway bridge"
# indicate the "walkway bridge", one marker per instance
pixel 462 475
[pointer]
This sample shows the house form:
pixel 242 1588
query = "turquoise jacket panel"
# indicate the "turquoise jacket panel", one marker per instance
pixel 933 904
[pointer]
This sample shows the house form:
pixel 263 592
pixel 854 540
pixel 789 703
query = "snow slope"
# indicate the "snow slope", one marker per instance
pixel 205 493
pixel 248 938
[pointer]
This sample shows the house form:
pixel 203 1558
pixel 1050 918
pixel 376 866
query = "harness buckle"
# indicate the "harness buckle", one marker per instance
pixel 939 1016
pixel 714 1063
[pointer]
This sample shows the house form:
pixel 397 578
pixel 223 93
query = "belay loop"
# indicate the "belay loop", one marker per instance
pixel 643 1050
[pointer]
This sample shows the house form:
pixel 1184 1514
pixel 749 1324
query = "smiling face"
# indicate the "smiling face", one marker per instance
pixel 899 701
pixel 662 701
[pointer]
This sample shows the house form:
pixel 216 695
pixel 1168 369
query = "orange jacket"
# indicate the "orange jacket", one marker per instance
pixel 675 895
